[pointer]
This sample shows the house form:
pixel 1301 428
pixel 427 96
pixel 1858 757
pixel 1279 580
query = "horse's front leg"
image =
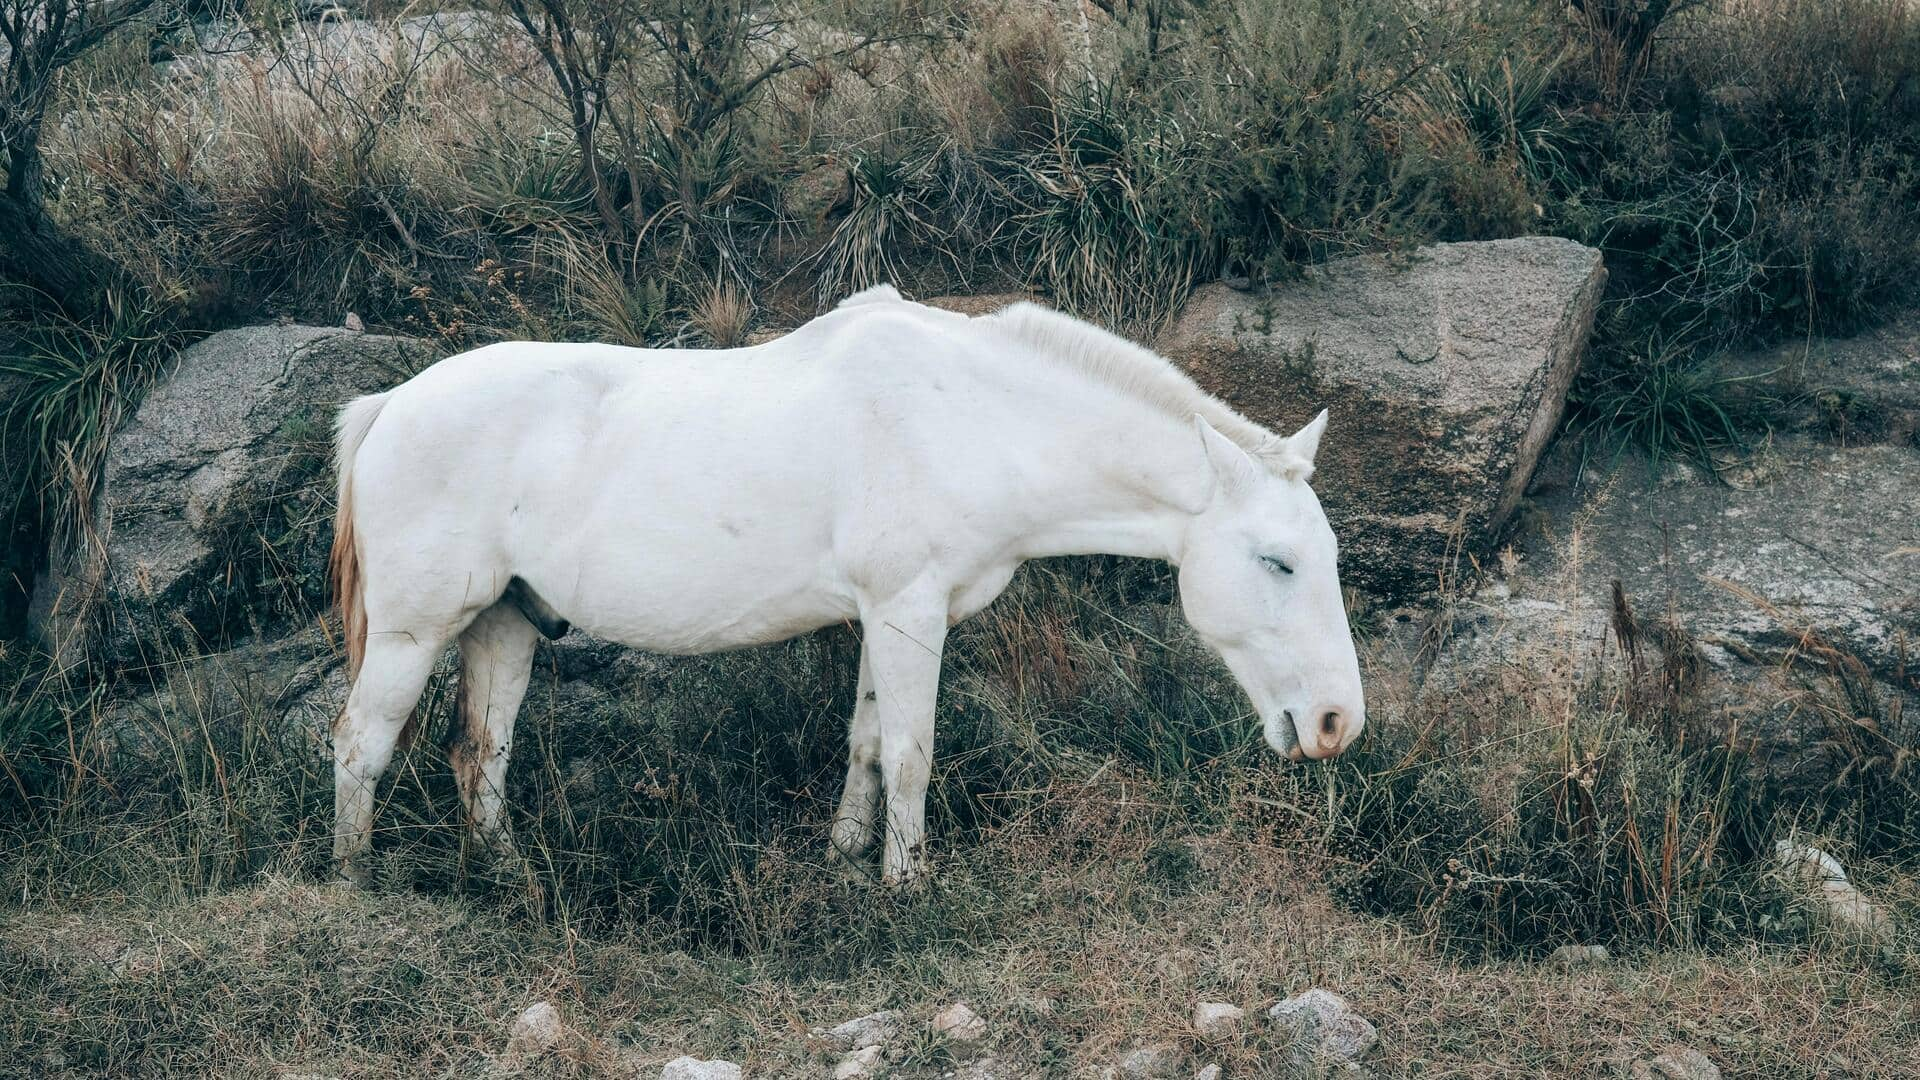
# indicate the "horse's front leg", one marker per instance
pixel 854 824
pixel 903 644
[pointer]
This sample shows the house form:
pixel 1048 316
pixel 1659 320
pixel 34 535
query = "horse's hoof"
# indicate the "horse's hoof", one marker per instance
pixel 913 877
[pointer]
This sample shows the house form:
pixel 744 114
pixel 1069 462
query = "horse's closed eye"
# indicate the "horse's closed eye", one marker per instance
pixel 1276 564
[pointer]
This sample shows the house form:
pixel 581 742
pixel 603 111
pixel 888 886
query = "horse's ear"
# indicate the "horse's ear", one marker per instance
pixel 1233 468
pixel 1305 443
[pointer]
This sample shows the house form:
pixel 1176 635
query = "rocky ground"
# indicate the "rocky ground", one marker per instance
pixel 1245 971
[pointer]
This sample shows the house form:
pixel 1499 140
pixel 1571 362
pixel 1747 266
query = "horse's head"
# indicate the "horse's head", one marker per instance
pixel 1259 582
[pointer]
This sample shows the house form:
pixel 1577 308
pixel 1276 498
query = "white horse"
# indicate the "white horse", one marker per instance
pixel 887 462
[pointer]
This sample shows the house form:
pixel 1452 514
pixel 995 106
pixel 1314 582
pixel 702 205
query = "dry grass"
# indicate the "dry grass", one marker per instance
pixel 1092 947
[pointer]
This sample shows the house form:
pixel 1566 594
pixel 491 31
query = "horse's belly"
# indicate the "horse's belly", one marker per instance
pixel 686 617
pixel 678 575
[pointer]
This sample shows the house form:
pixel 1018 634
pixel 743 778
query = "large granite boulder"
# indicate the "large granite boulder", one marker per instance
pixel 1445 373
pixel 213 512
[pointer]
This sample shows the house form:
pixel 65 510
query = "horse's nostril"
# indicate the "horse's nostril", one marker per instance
pixel 1287 714
pixel 1330 723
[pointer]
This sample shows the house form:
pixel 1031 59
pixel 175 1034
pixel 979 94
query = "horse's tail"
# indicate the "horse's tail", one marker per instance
pixel 343 565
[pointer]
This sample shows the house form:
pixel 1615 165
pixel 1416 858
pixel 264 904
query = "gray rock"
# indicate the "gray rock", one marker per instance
pixel 212 516
pixel 1724 579
pixel 862 1062
pixel 536 1030
pixel 693 1068
pixel 1836 903
pixel 1322 1030
pixel 1444 373
pixel 874 1029
pixel 1678 1063
pixel 1211 1072
pixel 1216 1020
pixel 1569 957
pixel 1160 1061
pixel 960 1023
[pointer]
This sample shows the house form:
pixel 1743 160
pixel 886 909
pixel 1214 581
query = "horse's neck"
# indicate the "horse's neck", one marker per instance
pixel 1127 485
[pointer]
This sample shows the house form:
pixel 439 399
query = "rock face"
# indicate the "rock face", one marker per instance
pixel 1853 391
pixel 1445 373
pixel 1731 573
pixel 200 516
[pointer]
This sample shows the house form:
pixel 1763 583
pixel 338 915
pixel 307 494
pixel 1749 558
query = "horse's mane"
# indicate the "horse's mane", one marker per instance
pixel 1119 364
pixel 1140 373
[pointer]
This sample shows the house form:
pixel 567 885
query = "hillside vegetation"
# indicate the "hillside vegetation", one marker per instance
pixel 1113 843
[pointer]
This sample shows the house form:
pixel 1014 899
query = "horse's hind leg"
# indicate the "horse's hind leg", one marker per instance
pixel 391 677
pixel 496 659
pixel 856 823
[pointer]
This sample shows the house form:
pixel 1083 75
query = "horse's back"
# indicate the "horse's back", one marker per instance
pixel 678 499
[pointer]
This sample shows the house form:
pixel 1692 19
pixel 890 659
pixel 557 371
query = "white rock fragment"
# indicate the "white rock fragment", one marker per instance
pixel 1211 1072
pixel 1678 1063
pixel 1841 906
pixel 960 1023
pixel 1808 865
pixel 1216 1020
pixel 1568 957
pixel 536 1030
pixel 1324 1029
pixel 692 1068
pixel 354 323
pixel 862 1062
pixel 873 1029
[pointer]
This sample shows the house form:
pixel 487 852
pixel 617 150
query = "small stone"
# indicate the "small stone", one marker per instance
pixel 692 1068
pixel 1159 1061
pixel 1211 1072
pixel 1841 906
pixel 353 323
pixel 1215 1020
pixel 1678 1063
pixel 862 1062
pixel 959 1023
pixel 536 1030
pixel 873 1029
pixel 1809 865
pixel 1325 1029
pixel 1568 957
